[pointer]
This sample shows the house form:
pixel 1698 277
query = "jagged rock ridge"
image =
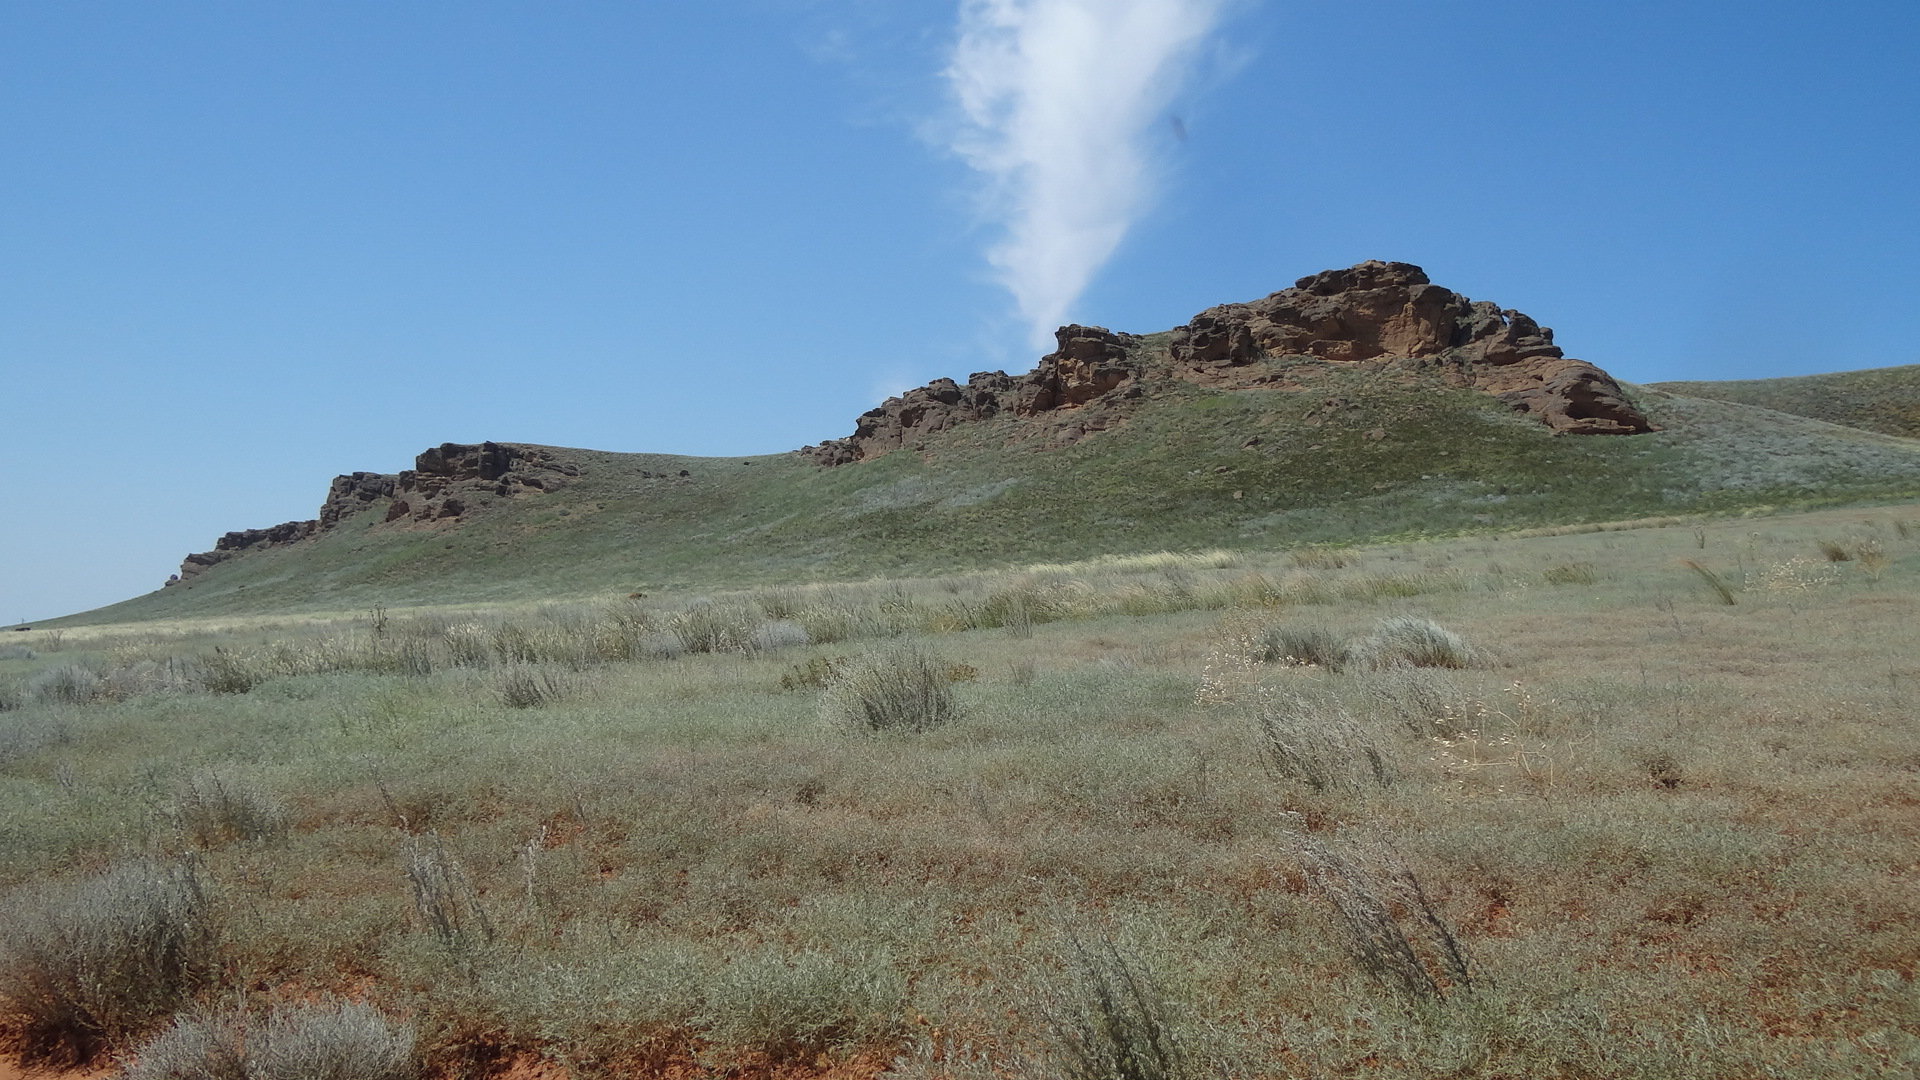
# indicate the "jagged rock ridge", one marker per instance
pixel 1385 314
pixel 445 483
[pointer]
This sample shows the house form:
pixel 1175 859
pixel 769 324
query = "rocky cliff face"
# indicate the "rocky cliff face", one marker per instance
pixel 1383 314
pixel 446 482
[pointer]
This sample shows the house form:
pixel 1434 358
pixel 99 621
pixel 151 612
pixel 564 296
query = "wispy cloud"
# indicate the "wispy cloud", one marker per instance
pixel 1057 95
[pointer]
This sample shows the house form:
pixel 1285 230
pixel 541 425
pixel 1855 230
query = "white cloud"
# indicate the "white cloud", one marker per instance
pixel 1057 95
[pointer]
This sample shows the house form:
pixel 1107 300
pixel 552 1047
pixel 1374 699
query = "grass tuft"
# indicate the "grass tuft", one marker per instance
pixel 1111 1021
pixel 889 688
pixel 1412 641
pixel 1712 579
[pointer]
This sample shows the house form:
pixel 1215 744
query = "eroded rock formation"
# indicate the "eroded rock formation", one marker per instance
pixel 1089 363
pixel 445 483
pixel 1385 314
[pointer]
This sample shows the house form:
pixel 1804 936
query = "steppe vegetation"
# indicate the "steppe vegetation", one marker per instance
pixel 1628 802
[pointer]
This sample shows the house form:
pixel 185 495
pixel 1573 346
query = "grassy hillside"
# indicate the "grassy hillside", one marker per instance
pixel 1335 456
pixel 1886 400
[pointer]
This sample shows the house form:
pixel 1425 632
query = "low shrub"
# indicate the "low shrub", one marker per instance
pixel 349 1041
pixel 792 1008
pixel 68 684
pixel 1412 641
pixel 193 1048
pixel 86 965
pixel 16 652
pixel 894 687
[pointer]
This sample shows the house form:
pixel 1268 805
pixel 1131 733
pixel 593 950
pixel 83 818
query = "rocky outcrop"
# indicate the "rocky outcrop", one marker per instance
pixel 1389 313
pixel 239 543
pixel 1382 313
pixel 446 482
pixel 1090 363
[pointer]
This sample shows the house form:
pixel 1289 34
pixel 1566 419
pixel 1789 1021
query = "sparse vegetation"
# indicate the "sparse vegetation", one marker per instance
pixel 1627 830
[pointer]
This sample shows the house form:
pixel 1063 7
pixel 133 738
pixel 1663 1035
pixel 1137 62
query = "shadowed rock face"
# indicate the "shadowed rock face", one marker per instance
pixel 446 482
pixel 1378 313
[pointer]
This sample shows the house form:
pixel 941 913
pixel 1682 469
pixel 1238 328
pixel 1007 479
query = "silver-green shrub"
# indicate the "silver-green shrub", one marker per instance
pixel 85 965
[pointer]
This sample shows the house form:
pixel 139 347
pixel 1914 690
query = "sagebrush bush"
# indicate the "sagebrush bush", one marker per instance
pixel 15 652
pixel 193 1047
pixel 1412 641
pixel 349 1041
pixel 336 1041
pixel 893 687
pixel 86 965
pixel 68 684
pixel 791 1008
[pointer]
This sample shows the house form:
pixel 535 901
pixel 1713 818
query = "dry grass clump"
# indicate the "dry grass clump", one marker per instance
pixel 896 687
pixel 1391 927
pixel 210 812
pixel 87 965
pixel 1576 573
pixel 527 686
pixel 1293 643
pixel 1320 744
pixel 1412 641
pixel 1835 551
pixel 337 1041
pixel 1111 1020
pixel 1713 581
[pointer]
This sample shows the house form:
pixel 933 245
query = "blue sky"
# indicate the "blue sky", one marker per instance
pixel 245 247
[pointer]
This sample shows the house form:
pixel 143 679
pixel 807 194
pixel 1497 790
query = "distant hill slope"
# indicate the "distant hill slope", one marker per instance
pixel 1342 456
pixel 1359 405
pixel 1886 400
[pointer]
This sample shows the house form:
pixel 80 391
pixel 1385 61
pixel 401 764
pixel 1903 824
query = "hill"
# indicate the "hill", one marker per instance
pixel 1361 404
pixel 1886 400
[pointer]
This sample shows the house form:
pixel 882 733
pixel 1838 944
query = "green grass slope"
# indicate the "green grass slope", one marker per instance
pixel 1336 456
pixel 1886 400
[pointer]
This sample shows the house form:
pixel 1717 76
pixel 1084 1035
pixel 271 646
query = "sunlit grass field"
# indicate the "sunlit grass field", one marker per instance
pixel 1642 802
